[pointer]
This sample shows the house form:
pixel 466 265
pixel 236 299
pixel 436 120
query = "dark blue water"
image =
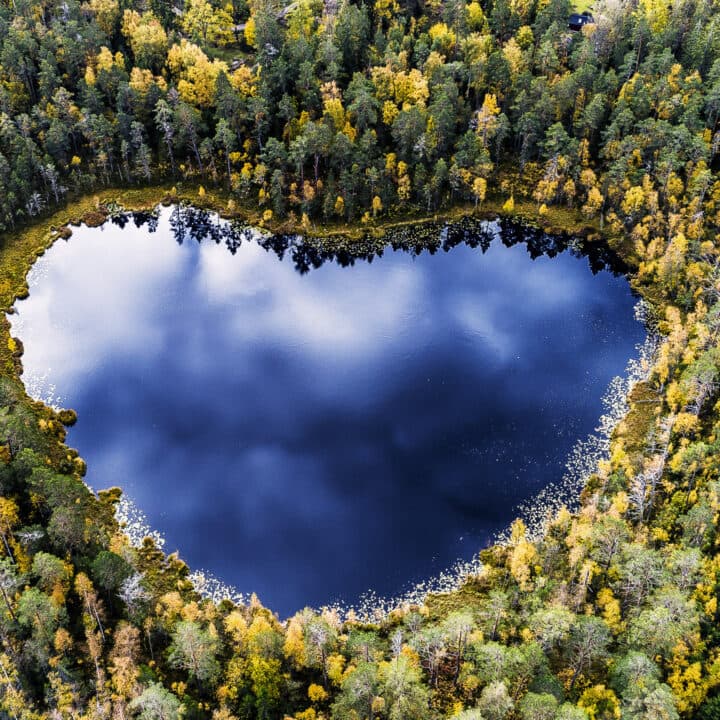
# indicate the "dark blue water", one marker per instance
pixel 308 436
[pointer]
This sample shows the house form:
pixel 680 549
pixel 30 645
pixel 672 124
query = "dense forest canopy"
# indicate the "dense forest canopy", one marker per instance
pixel 341 111
pixel 348 110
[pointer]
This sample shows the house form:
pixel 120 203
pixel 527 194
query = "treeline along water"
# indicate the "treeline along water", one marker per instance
pixel 310 423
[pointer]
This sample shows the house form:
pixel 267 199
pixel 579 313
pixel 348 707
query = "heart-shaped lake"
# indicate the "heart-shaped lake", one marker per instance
pixel 310 435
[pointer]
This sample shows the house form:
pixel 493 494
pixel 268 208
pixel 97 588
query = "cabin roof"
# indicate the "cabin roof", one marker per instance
pixel 577 20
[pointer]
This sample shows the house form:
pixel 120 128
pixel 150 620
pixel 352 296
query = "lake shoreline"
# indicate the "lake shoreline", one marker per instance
pixel 19 252
pixel 449 314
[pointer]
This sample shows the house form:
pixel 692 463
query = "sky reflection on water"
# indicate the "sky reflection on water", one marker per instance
pixel 311 436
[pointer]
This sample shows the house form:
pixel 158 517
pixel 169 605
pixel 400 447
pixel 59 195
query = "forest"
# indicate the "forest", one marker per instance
pixel 350 111
pixel 355 112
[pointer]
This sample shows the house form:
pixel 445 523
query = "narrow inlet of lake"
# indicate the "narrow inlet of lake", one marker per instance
pixel 306 427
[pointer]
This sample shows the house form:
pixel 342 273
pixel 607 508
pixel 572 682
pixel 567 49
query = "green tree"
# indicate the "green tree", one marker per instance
pixel 156 703
pixel 588 645
pixel 358 693
pixel 194 649
pixel 405 696
pixel 538 706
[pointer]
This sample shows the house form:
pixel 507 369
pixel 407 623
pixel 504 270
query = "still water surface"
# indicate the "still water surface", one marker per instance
pixel 311 435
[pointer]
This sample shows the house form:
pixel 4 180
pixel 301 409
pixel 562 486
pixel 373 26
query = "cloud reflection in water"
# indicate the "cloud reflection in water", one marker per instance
pixel 312 436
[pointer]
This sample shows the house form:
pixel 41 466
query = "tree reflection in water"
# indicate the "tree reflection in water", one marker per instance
pixel 189 224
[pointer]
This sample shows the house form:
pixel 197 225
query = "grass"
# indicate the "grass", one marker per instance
pixel 644 405
pixel 582 5
pixel 229 53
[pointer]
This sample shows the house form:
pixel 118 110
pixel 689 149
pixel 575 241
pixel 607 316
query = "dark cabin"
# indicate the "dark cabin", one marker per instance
pixel 577 20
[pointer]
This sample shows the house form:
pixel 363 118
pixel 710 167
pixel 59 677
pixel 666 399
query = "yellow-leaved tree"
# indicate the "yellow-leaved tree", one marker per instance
pixel 487 121
pixel 207 24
